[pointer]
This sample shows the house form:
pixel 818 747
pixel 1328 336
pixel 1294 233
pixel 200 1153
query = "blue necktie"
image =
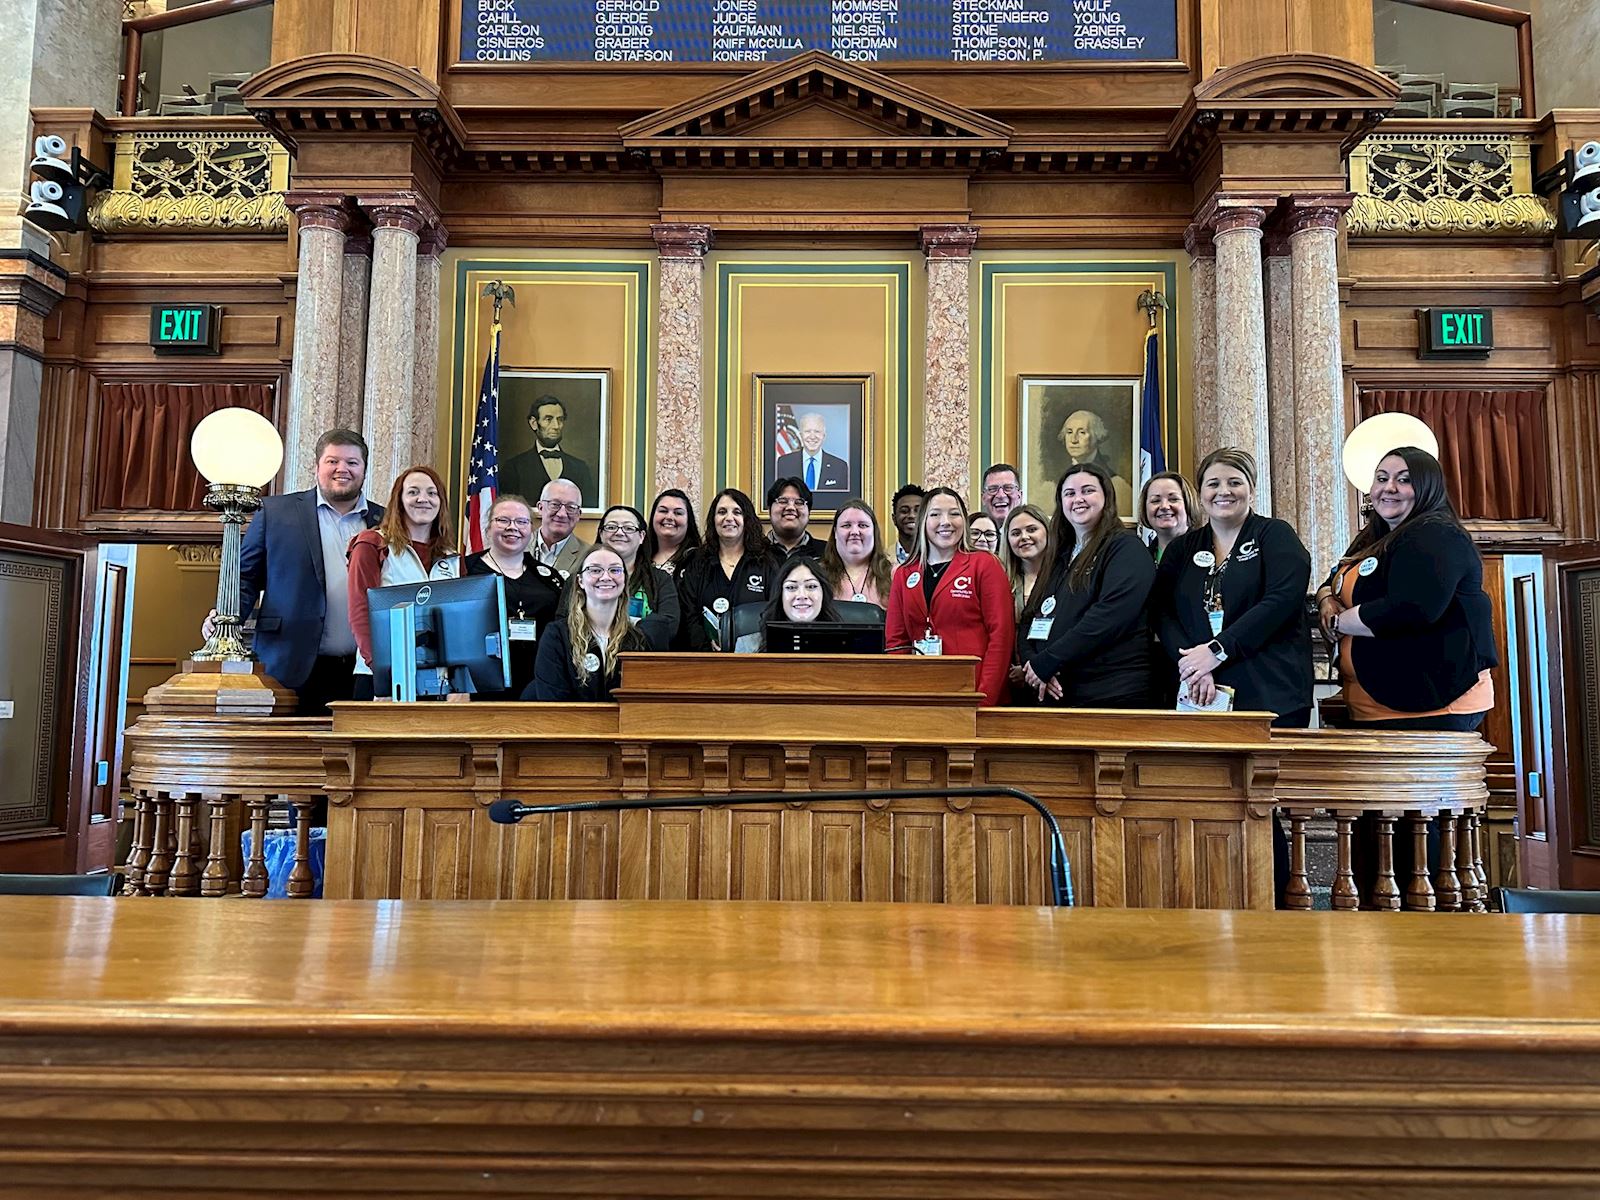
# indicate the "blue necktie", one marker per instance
pixel 811 472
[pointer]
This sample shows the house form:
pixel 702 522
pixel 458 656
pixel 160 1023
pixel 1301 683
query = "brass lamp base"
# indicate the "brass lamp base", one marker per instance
pixel 222 689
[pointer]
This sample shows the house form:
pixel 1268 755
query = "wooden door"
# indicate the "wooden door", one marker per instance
pixel 1572 618
pixel 64 621
pixel 1527 702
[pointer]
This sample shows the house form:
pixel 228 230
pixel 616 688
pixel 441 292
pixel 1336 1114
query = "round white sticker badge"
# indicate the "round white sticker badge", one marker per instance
pixel 1049 606
pixel 1204 558
pixel 1367 567
pixel 913 579
pixel 719 605
pixel 591 662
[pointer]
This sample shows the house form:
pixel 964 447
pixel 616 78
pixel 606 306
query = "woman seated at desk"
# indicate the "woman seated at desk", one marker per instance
pixel 951 600
pixel 412 544
pixel 1089 645
pixel 854 558
pixel 733 567
pixel 800 596
pixel 579 655
pixel 533 590
pixel 652 596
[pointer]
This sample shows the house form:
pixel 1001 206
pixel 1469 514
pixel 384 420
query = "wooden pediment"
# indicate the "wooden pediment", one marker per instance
pixel 1297 76
pixel 814 109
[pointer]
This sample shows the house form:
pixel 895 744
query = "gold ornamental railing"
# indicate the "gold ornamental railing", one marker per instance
pixel 193 175
pixel 1428 178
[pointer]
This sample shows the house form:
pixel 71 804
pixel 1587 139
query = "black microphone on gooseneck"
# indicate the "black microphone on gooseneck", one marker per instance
pixel 508 812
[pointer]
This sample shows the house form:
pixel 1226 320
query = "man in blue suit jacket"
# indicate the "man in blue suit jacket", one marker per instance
pixel 294 562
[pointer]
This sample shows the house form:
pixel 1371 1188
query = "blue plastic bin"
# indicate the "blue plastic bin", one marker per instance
pixel 278 849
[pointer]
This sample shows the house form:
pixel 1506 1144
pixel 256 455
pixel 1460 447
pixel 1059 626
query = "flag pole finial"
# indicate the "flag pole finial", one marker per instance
pixel 1152 303
pixel 502 293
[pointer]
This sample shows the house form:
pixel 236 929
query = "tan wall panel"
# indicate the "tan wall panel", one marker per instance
pixel 1235 31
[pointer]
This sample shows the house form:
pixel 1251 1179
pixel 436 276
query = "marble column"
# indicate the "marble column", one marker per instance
pixel 1242 341
pixel 356 288
pixel 947 391
pixel 30 287
pixel 1322 513
pixel 314 374
pixel 681 428
pixel 425 373
pixel 1203 337
pixel 387 404
pixel 1282 423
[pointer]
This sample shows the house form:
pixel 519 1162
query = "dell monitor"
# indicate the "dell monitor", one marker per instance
pixel 823 637
pixel 440 636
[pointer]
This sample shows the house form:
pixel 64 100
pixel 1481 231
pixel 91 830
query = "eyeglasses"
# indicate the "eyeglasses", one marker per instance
pixel 618 527
pixel 789 502
pixel 1005 489
pixel 513 522
pixel 561 506
pixel 596 572
pixel 982 537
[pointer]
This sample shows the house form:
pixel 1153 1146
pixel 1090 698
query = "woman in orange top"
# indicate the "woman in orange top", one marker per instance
pixel 1407 605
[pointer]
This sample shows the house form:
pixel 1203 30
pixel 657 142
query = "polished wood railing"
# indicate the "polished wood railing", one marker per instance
pixel 1157 808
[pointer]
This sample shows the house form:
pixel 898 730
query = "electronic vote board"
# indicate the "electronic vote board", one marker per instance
pixel 760 31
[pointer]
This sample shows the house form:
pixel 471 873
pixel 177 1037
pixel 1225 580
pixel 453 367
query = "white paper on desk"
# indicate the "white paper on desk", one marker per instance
pixel 1222 702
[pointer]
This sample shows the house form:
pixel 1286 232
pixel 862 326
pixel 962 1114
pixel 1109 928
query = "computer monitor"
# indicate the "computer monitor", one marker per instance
pixel 439 637
pixel 823 637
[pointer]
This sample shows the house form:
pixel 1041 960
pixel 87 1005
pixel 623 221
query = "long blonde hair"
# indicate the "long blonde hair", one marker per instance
pixel 582 632
pixel 920 554
pixel 1047 559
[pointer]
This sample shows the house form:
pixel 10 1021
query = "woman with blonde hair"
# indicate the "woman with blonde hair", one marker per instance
pixel 579 657
pixel 414 542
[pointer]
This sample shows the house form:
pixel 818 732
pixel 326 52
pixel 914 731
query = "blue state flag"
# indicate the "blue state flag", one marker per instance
pixel 1152 454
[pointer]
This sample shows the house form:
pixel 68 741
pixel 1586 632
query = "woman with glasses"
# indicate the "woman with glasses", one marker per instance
pixel 854 558
pixel 732 567
pixel 652 595
pixel 579 657
pixel 951 600
pixel 674 534
pixel 533 590
pixel 984 533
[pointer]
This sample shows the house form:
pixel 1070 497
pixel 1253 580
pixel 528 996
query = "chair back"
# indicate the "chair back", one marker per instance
pixel 860 612
pixel 58 885
pixel 1553 900
pixel 740 622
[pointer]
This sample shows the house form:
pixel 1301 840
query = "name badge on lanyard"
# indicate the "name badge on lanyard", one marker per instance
pixel 1039 631
pixel 930 645
pixel 524 631
pixel 1215 617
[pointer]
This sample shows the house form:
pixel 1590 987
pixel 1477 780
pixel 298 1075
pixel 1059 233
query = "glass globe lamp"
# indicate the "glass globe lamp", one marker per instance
pixel 238 452
pixel 1378 436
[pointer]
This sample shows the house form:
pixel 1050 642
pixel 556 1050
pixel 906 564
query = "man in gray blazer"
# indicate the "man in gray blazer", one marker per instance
pixel 555 545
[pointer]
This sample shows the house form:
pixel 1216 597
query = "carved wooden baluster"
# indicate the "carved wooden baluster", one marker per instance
pixel 1445 882
pixel 1472 896
pixel 1345 895
pixel 301 881
pixel 1385 891
pixel 1297 892
pixel 214 880
pixel 159 868
pixel 185 880
pixel 254 884
pixel 1419 889
pixel 139 852
pixel 1477 862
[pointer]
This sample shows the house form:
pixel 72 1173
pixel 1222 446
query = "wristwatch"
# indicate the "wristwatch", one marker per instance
pixel 1216 648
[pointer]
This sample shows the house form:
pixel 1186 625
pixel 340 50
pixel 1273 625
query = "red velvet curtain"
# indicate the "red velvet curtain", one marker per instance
pixel 143 443
pixel 1491 445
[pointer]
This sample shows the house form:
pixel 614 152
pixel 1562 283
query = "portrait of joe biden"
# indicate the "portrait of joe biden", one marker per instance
pixel 822 472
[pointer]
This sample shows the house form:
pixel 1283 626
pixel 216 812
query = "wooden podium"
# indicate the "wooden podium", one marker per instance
pixel 1159 809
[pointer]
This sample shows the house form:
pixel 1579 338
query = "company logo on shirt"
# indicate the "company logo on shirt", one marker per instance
pixel 962 586
pixel 757 583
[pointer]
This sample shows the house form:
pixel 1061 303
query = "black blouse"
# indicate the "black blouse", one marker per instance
pixel 535 596
pixel 702 584
pixel 1099 638
pixel 1262 585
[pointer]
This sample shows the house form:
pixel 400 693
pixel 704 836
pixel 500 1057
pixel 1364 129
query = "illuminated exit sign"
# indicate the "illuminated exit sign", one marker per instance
pixel 1456 332
pixel 186 328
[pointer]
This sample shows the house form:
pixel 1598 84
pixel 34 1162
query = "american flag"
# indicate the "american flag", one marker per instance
pixel 787 439
pixel 483 468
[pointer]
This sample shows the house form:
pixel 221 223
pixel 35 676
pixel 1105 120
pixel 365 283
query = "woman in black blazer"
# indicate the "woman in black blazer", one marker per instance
pixel 1088 645
pixel 1230 600
pixel 579 655
pixel 1406 602
pixel 733 566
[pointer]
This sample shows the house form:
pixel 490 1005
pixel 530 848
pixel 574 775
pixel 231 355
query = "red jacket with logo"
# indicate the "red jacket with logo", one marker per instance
pixel 972 613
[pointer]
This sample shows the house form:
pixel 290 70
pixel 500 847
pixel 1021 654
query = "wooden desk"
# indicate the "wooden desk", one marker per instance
pixel 182 1047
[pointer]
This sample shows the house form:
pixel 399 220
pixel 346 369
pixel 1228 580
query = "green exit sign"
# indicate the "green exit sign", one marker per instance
pixel 186 328
pixel 1456 332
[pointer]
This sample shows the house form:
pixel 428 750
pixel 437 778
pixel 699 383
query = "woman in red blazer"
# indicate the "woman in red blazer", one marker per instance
pixel 949 600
